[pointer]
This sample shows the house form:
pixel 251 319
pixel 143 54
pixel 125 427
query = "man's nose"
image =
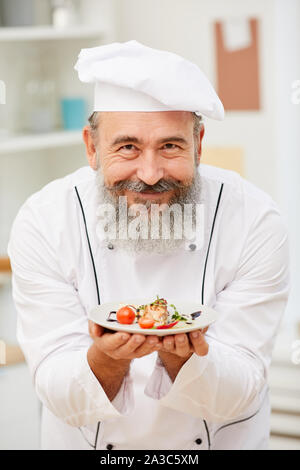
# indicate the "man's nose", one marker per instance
pixel 150 169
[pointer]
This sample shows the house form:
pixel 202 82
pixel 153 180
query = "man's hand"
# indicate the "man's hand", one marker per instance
pixel 177 349
pixel 181 345
pixel 184 345
pixel 110 355
pixel 122 346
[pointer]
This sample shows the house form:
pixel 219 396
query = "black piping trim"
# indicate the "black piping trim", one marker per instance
pixel 97 432
pixel 203 282
pixel 207 433
pixel 98 298
pixel 94 446
pixel 86 440
pixel 237 422
pixel 211 234
pixel 89 244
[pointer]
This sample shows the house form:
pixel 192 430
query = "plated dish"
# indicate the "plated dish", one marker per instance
pixel 153 316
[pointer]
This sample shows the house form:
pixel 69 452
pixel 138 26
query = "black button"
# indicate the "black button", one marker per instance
pixel 110 246
pixel 109 446
pixel 198 441
pixel 192 247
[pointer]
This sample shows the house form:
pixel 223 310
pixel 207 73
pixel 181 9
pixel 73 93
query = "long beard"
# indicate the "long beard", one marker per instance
pixel 154 228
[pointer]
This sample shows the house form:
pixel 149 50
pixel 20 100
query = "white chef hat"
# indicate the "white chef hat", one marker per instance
pixel 132 77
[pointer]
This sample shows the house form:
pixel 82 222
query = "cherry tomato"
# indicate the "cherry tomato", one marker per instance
pixel 125 315
pixel 146 323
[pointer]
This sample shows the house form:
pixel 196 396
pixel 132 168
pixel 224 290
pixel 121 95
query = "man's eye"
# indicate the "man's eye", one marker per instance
pixel 170 146
pixel 128 147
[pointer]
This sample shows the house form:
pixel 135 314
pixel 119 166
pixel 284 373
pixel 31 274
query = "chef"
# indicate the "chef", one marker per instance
pixel 102 390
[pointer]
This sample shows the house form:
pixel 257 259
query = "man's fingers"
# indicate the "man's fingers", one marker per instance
pixel 199 343
pixel 123 345
pixel 182 345
pixel 138 346
pixel 168 343
pixel 95 330
pixel 112 341
pixel 151 344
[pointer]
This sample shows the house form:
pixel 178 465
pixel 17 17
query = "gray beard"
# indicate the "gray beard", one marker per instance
pixel 190 194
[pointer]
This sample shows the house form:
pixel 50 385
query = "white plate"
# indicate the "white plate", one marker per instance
pixel 100 314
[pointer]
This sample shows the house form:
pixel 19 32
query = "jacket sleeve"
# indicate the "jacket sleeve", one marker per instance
pixel 230 380
pixel 52 330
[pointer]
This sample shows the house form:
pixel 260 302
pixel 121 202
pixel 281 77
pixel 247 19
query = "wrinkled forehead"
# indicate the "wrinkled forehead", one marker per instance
pixel 133 118
pixel 145 123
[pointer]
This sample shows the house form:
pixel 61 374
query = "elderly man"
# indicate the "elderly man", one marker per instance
pixel 113 390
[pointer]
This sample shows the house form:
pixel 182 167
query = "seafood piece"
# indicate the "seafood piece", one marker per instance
pixel 156 311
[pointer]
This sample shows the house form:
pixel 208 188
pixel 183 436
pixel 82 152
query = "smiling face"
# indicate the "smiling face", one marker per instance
pixel 146 147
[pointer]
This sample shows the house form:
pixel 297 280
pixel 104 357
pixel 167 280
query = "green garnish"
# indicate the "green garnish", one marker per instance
pixel 176 315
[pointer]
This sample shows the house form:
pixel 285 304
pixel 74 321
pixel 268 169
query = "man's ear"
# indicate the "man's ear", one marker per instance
pixel 91 152
pixel 199 144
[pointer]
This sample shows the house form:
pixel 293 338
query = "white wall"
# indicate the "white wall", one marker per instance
pixel 19 406
pixel 100 13
pixel 22 174
pixel 186 28
pixel 270 137
pixel 287 41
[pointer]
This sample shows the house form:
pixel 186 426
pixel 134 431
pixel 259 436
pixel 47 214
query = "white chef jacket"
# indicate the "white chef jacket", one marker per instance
pixel 61 270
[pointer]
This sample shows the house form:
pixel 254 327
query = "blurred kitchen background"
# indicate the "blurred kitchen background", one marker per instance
pixel 250 52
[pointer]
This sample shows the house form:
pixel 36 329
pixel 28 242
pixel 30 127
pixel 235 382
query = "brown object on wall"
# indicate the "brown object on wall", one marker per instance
pixel 5 265
pixel 228 158
pixel 14 355
pixel 238 72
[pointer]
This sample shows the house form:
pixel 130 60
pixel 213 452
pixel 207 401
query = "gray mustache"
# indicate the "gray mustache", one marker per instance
pixel 161 186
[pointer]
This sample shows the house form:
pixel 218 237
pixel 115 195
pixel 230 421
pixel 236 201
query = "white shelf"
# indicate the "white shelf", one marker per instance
pixel 5 278
pixel 284 443
pixel 46 33
pixel 285 425
pixel 23 143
